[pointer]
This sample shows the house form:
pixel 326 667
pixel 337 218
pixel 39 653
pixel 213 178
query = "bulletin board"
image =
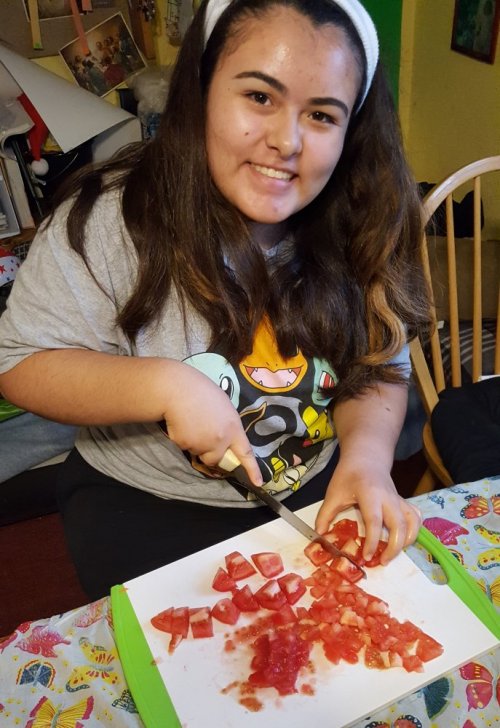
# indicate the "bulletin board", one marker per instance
pixel 15 30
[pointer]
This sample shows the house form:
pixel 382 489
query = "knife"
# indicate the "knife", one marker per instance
pixel 231 465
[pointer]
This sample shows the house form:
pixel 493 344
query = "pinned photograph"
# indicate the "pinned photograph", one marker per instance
pixel 48 9
pixel 112 58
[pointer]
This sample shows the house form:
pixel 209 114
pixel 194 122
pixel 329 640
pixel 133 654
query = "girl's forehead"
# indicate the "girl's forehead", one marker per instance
pixel 279 23
pixel 282 41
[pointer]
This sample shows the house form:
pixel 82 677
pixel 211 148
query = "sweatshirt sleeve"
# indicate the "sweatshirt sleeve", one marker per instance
pixel 56 303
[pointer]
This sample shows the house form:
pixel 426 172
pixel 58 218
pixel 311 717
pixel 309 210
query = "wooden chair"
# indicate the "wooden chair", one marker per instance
pixel 431 381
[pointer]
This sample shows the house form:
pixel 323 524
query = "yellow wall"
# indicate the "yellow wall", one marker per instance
pixel 450 103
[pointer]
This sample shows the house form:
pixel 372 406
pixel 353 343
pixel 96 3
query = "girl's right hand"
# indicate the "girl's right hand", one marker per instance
pixel 201 419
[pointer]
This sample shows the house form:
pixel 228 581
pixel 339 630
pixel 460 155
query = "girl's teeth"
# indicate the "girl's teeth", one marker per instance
pixel 275 173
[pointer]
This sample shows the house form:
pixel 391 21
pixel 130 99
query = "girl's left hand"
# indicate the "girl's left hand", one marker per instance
pixel 369 486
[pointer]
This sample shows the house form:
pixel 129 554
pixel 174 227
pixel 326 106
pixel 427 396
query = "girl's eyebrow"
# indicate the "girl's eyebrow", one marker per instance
pixel 282 89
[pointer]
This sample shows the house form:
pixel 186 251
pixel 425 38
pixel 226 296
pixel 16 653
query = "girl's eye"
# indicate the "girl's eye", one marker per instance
pixel 259 97
pixel 322 117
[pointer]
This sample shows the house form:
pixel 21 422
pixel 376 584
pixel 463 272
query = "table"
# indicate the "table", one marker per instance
pixel 65 671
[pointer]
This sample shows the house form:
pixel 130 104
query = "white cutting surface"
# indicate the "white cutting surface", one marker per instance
pixel 199 669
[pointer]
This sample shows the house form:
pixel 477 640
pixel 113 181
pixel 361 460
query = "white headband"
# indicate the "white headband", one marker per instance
pixel 352 8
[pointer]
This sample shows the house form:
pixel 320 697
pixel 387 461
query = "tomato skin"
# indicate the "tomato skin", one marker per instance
pixel 238 567
pixel 225 611
pixel 245 600
pixel 293 587
pixel 270 596
pixel 163 620
pixel 269 563
pixel 222 582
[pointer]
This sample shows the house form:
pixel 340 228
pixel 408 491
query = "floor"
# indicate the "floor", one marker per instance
pixel 37 578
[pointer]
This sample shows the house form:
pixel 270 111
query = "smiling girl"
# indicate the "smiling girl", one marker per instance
pixel 246 280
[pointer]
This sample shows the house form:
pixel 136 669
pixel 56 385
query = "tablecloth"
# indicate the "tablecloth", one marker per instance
pixel 64 672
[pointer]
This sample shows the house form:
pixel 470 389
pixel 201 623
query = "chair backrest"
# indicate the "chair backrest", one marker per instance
pixel 465 255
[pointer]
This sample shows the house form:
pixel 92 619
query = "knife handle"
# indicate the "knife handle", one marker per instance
pixel 228 461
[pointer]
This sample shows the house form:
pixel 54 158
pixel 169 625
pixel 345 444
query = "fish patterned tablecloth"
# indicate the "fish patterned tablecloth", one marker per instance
pixel 64 672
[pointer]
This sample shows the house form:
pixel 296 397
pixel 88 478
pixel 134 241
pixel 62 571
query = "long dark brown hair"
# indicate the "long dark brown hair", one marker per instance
pixel 354 288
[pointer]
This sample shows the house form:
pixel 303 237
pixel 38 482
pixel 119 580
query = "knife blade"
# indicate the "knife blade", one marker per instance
pixel 231 465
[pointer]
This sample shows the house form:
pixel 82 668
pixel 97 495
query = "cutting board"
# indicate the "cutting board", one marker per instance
pixel 197 673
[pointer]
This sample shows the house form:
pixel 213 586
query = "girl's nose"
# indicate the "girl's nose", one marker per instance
pixel 285 134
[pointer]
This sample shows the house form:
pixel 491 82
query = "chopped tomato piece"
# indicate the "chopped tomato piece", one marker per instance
pixel 270 596
pixel 293 587
pixel 269 563
pixel 412 663
pixel 346 569
pixel 163 620
pixel 201 622
pixel 374 659
pixel 180 621
pixel 285 615
pixel 343 530
pixel 316 553
pixel 226 611
pixel 245 600
pixel 238 567
pixel 222 581
pixel 175 641
pixel 428 648
pixel 352 547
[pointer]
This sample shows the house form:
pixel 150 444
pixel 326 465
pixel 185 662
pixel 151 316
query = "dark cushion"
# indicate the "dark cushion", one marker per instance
pixel 466 428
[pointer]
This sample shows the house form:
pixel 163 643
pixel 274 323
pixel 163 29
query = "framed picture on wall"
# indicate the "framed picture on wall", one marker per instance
pixel 475 28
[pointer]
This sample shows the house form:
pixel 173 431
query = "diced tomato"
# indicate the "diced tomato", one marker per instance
pixel 325 610
pixel 343 530
pixel 238 567
pixel 412 663
pixel 316 553
pixel 201 622
pixel 163 620
pixel 175 641
pixel 352 547
pixel 340 643
pixel 347 570
pixel 375 559
pixel 222 581
pixel 270 596
pixel 285 615
pixel 268 563
pixel 180 621
pixel 226 611
pixel 292 585
pixel 428 648
pixel 245 600
pixel 278 659
pixel 374 659
pixel 302 613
